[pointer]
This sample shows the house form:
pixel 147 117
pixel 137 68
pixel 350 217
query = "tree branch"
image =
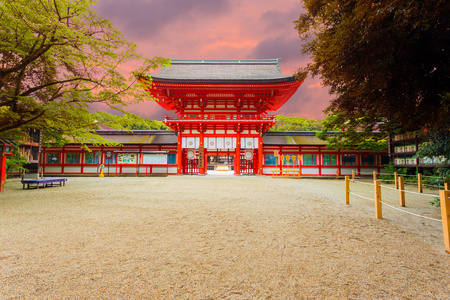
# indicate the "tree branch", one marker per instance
pixel 34 89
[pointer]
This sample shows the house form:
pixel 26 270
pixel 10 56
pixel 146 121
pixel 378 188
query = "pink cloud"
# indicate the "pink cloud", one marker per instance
pixel 218 29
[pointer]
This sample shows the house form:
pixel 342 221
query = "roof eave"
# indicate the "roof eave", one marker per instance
pixel 157 79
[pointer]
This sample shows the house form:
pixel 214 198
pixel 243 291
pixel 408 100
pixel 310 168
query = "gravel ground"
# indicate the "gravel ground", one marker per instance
pixel 191 237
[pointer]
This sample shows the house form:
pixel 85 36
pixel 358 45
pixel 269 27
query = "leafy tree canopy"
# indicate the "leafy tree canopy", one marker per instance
pixel 16 162
pixel 438 145
pixel 56 59
pixel 128 121
pixel 285 123
pixel 349 136
pixel 387 62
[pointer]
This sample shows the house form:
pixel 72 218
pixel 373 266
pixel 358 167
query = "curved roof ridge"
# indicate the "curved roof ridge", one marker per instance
pixel 227 70
pixel 270 61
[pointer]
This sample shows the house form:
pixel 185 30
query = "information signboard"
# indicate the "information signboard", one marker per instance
pixel 127 158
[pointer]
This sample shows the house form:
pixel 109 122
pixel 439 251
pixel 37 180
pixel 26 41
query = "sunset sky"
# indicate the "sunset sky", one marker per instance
pixel 218 29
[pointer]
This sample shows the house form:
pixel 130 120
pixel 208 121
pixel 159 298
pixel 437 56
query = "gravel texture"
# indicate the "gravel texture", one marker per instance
pixel 192 237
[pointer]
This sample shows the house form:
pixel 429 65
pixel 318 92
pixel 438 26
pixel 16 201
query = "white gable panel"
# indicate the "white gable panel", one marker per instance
pixel 230 143
pixel 220 143
pixel 248 143
pixel 210 143
pixel 190 142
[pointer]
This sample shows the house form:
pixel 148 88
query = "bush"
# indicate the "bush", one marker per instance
pixel 16 162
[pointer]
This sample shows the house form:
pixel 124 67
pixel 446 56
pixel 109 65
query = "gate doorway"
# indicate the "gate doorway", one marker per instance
pixel 249 166
pixel 220 161
pixel 190 166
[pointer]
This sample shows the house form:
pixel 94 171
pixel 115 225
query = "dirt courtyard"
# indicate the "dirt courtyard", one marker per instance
pixel 192 237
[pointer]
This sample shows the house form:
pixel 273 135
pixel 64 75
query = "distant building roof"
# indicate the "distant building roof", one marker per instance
pixel 7 141
pixel 222 70
pixel 298 138
pixel 104 127
pixel 164 137
pixel 143 137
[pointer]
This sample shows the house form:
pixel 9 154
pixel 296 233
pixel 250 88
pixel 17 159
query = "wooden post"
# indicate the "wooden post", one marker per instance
pixel 347 190
pixel 401 186
pixel 445 211
pixel 396 179
pixel 353 174
pixel 378 211
pixel 337 174
pixel 374 175
pixel 299 159
pixel 447 186
pixel 419 182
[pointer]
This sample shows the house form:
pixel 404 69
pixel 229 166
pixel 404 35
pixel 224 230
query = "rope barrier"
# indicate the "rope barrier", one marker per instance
pixel 439 186
pixel 410 212
pixel 364 173
pixel 354 194
pixel 388 174
pixel 428 176
pixel 378 204
pixel 396 208
pixel 410 183
pixel 400 175
pixel 422 194
pixel 363 182
pixel 404 175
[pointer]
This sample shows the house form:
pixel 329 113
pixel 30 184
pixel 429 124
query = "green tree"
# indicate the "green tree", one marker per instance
pixel 386 62
pixel 438 145
pixel 16 163
pixel 128 121
pixel 57 58
pixel 285 123
pixel 350 136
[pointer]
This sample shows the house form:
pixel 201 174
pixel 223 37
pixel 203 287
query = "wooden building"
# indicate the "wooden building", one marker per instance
pixel 144 153
pixel 220 123
pixel 403 149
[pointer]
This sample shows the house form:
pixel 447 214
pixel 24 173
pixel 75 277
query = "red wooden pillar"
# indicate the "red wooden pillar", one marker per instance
pixel 179 155
pixel 201 169
pixel 237 160
pixel 62 158
pixel 357 162
pixel 320 160
pixel 2 172
pixel 5 150
pixel 260 154
pixel 205 165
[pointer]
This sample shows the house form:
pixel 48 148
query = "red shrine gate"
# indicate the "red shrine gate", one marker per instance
pixel 221 110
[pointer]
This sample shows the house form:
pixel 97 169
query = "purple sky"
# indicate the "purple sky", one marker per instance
pixel 218 29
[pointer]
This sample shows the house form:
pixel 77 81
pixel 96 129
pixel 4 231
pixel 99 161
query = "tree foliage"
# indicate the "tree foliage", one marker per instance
pixel 438 146
pixel 16 162
pixel 128 121
pixel 285 123
pixel 57 58
pixel 386 62
pixel 350 136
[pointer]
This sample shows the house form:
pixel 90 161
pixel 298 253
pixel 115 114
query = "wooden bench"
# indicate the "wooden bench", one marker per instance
pixel 287 173
pixel 36 183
